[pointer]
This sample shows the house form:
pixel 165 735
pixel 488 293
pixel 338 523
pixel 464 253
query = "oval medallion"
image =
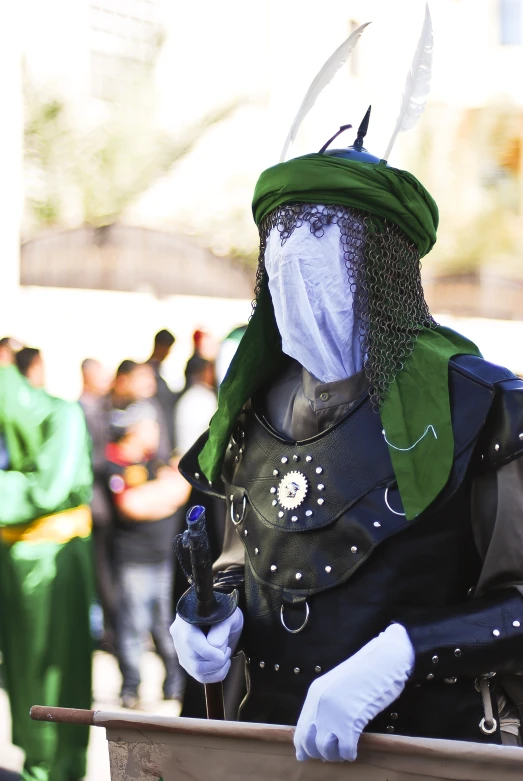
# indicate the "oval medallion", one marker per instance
pixel 292 490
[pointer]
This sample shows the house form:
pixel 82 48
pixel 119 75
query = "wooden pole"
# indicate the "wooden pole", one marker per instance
pixel 214 702
pixel 438 759
pixel 64 715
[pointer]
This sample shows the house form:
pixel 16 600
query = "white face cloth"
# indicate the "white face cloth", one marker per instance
pixel 313 302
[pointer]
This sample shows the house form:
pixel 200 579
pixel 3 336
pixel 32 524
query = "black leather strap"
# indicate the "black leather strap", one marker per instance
pixel 474 638
pixel 191 470
pixel 228 580
pixel 502 438
pixel 481 370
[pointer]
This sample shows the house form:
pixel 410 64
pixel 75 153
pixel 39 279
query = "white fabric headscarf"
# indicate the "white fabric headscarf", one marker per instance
pixel 313 301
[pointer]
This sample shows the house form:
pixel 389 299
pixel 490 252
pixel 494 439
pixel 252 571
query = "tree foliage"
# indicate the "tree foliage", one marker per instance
pixel 471 161
pixel 92 176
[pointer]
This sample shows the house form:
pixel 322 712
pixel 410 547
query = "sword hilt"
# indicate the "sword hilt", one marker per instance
pixel 201 605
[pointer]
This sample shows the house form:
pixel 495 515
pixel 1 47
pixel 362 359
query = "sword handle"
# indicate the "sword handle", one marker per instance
pixel 201 605
pixel 214 702
pixel 197 540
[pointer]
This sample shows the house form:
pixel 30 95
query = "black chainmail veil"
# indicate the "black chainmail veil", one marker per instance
pixel 385 279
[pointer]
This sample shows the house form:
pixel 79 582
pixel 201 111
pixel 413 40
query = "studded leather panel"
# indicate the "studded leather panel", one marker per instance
pixel 351 502
pixel 503 439
pixel 346 473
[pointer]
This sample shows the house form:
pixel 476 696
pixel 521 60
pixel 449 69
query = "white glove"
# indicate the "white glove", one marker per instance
pixel 341 703
pixel 207 658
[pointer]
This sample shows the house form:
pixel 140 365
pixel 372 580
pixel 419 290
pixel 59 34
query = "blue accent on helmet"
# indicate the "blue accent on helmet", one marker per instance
pixel 352 153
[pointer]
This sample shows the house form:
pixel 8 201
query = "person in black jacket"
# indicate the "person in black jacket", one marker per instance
pixel 145 493
pixel 163 344
pixel 95 405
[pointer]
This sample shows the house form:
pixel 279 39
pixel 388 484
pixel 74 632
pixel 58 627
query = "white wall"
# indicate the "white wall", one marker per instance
pixel 70 325
pixel 267 53
pixel 500 341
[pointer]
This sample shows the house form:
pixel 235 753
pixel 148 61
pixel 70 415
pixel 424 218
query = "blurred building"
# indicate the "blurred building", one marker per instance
pixel 109 53
pixel 108 82
pixel 89 50
pixel 467 147
pixel 123 38
pixel 133 259
pixel 469 152
pixel 11 195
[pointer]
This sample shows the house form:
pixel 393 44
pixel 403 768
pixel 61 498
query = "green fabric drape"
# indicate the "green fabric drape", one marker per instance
pixel 48 448
pixel 419 397
pixel 22 411
pixel 46 588
pixel 417 410
pixel 385 192
pixel 46 591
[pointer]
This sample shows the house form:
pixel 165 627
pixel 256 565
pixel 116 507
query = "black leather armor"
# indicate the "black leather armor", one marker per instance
pixel 330 560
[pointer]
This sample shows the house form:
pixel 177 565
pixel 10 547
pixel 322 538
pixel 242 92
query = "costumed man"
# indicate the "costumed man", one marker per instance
pixel 370 462
pixel 45 573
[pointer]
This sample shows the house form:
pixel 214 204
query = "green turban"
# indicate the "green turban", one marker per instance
pixel 418 399
pixel 386 193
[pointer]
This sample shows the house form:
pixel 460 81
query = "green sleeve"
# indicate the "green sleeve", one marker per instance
pixel 62 476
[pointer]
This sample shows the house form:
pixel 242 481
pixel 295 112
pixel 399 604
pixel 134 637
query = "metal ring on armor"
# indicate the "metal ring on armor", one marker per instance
pixel 488 730
pixel 484 687
pixel 485 677
pixel 394 512
pixel 296 631
pixel 242 516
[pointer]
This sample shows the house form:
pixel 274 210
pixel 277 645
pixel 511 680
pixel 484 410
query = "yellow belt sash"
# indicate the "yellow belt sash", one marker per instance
pixel 58 528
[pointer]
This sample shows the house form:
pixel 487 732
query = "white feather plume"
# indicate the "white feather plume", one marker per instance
pixel 417 85
pixel 320 81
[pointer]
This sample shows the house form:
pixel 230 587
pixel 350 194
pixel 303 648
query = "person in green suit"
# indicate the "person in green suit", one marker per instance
pixel 45 573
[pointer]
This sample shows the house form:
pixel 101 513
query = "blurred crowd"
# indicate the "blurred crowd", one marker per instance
pixel 139 428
